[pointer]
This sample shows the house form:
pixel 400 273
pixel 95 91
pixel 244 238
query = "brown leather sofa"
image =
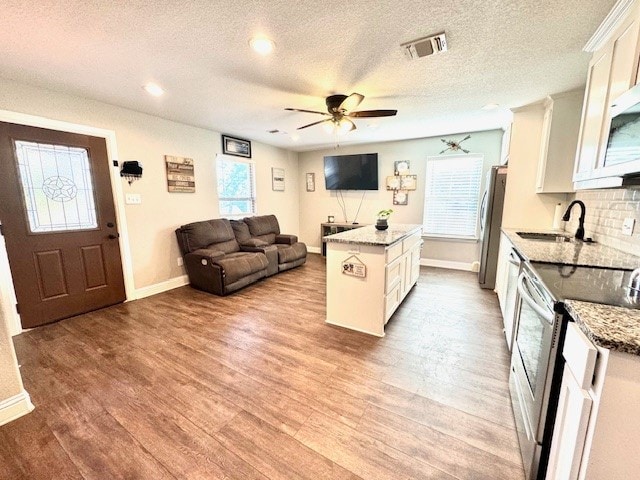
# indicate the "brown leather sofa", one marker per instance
pixel 213 258
pixel 222 256
pixel 262 233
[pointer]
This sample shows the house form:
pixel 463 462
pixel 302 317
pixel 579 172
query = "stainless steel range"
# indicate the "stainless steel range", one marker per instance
pixel 535 377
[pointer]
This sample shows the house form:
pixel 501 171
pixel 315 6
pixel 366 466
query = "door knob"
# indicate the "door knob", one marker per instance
pixel 113 237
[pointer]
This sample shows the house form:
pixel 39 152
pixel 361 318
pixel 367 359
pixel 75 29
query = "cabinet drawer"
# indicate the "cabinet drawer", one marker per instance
pixel 580 355
pixel 407 243
pixel 394 252
pixel 393 274
pixel 392 301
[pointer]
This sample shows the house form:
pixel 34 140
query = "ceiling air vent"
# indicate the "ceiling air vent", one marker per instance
pixel 424 47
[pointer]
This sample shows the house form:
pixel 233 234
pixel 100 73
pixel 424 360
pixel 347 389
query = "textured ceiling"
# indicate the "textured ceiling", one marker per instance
pixel 506 52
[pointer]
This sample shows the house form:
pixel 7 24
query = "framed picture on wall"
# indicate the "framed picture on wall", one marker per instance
pixel 277 179
pixel 236 146
pixel 311 182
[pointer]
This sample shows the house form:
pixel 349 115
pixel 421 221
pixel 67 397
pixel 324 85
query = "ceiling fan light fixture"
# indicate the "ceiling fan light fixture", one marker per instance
pixel 344 126
pixel 262 45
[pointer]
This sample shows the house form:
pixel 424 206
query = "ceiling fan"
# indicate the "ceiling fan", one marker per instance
pixel 340 112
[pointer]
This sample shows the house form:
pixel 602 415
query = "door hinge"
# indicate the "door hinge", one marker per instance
pixel 17 308
pixel 115 163
pixel 1 229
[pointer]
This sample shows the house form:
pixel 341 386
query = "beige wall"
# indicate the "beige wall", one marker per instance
pixel 316 206
pixel 147 139
pixel 524 208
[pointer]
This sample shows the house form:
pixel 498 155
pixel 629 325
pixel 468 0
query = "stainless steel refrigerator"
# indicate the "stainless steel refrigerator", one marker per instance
pixel 490 222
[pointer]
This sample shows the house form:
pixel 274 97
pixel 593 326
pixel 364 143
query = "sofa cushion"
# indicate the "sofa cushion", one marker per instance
pixel 241 231
pixel 255 242
pixel 241 264
pixel 216 234
pixel 290 253
pixel 263 225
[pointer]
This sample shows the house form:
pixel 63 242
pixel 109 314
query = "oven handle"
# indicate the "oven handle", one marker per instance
pixel 514 258
pixel 547 314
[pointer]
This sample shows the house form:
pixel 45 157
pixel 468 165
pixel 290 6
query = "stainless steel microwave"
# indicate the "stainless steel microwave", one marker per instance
pixel 623 145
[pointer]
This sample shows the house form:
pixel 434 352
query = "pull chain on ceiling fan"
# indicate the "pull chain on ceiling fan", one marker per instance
pixel 339 108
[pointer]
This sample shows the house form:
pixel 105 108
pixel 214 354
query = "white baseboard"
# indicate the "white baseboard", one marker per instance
pixel 314 249
pixel 15 407
pixel 162 286
pixel 432 262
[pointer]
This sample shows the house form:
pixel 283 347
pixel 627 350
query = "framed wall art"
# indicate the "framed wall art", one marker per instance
pixel 180 174
pixel 277 179
pixel 311 182
pixel 236 146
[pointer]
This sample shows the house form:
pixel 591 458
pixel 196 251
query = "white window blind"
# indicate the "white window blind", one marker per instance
pixel 452 195
pixel 236 186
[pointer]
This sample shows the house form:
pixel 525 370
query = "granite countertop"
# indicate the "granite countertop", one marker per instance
pixel 370 236
pixel 572 253
pixel 615 328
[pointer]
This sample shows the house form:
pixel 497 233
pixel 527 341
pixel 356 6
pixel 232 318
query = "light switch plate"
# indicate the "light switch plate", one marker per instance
pixel 627 226
pixel 180 261
pixel 133 199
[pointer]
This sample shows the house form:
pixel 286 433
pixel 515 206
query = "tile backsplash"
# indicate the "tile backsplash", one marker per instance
pixel 606 210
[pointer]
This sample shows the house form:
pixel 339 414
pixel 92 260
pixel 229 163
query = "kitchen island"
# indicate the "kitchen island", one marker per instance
pixel 369 273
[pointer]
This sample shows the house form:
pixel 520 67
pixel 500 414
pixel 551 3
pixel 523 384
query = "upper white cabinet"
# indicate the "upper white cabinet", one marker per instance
pixel 612 71
pixel 560 131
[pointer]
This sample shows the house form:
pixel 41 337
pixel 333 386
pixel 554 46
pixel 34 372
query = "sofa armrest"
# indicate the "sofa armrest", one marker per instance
pixel 271 251
pixel 254 243
pixel 203 273
pixel 286 239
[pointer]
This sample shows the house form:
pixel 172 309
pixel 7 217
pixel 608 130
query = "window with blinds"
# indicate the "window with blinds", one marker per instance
pixel 452 196
pixel 236 186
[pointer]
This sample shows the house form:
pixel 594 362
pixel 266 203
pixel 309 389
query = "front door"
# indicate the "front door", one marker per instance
pixel 58 219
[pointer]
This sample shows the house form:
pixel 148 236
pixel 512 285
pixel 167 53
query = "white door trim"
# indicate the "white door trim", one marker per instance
pixel 7 291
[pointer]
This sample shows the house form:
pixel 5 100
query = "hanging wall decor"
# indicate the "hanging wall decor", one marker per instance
pixel 401 182
pixel 277 179
pixel 453 145
pixel 180 174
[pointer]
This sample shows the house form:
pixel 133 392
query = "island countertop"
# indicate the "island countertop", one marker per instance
pixel 370 236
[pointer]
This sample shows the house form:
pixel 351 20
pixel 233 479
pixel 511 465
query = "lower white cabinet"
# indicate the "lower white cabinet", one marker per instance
pixel 597 429
pixel 506 280
pixel 570 429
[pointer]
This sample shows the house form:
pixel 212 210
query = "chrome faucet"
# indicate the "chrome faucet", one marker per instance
pixel 583 211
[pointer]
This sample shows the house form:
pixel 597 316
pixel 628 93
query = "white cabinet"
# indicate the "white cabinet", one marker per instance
pixel 612 71
pixel 506 286
pixel 560 130
pixel 597 429
pixel 574 407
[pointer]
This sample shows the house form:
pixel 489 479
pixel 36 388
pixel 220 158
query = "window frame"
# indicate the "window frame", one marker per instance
pixel 254 196
pixel 475 237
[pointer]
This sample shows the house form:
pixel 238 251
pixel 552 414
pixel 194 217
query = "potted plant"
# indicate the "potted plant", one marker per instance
pixel 382 217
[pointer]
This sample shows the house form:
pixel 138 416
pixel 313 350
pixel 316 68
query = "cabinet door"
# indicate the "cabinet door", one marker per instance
pixel 592 114
pixel 570 430
pixel 502 270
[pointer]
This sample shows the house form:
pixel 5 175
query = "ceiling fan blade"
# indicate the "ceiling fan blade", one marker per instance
pixel 373 113
pixel 351 102
pixel 305 111
pixel 315 123
pixel 353 125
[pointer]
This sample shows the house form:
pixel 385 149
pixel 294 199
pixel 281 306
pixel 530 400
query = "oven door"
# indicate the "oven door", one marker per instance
pixel 531 367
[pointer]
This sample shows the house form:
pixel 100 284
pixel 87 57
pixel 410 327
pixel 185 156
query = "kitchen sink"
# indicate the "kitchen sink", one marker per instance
pixel 545 237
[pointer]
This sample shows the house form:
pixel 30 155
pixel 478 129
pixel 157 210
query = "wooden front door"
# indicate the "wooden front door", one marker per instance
pixel 59 223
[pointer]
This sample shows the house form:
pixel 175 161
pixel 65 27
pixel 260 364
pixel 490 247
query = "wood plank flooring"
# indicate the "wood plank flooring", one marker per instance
pixel 188 385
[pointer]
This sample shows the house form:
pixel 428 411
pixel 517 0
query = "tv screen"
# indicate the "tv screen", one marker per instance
pixel 351 172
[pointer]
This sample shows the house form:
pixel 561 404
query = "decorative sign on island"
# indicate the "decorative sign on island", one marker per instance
pixel 352 266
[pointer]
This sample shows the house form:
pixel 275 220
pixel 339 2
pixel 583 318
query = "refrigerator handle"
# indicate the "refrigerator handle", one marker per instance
pixel 483 207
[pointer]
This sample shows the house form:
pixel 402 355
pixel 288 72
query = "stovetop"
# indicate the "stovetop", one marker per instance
pixel 597 285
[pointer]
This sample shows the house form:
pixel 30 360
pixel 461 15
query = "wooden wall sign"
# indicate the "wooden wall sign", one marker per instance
pixel 354 267
pixel 180 174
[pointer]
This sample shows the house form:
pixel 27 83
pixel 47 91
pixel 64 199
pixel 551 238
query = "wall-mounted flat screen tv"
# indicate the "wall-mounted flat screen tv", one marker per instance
pixel 351 172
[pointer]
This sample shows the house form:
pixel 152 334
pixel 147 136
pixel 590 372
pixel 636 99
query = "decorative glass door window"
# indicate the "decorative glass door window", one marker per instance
pixel 57 187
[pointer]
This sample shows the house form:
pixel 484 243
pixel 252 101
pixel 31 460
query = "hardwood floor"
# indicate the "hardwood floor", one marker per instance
pixel 255 385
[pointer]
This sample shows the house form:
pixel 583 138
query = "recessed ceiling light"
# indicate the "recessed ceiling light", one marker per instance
pixel 490 106
pixel 262 45
pixel 295 137
pixel 154 89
